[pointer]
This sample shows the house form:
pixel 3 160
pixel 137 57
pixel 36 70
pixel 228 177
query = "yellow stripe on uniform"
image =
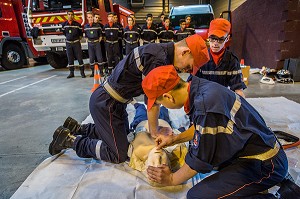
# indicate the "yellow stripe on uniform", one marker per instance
pixel 236 106
pixel 45 19
pixel 215 130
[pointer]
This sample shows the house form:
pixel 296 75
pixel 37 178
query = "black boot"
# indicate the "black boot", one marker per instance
pixel 62 139
pixel 92 75
pixel 82 72
pixel 72 125
pixel 71 74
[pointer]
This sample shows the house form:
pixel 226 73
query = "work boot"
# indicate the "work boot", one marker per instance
pixel 71 74
pixel 62 139
pixel 72 125
pixel 82 72
pixel 92 75
pixel 101 72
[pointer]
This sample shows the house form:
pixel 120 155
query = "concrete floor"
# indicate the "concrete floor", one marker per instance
pixel 34 101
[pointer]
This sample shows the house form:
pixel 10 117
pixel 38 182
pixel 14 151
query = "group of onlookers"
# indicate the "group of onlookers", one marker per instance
pixel 106 42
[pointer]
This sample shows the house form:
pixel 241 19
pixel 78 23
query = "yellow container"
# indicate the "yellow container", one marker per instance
pixel 246 74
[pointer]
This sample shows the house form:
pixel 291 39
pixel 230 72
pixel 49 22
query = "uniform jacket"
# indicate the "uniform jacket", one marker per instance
pixel 180 35
pixel 93 32
pixel 224 131
pixel 131 36
pixel 191 28
pixel 165 35
pixel 72 31
pixel 126 78
pixel 112 33
pixel 228 73
pixel 149 35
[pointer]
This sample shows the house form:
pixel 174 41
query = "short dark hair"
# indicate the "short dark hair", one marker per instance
pixel 149 15
pixel 162 14
pixel 188 16
pixel 181 21
pixel 166 18
pixel 70 11
pixel 110 13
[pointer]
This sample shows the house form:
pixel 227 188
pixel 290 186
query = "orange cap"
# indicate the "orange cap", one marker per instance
pixel 199 51
pixel 219 27
pixel 159 81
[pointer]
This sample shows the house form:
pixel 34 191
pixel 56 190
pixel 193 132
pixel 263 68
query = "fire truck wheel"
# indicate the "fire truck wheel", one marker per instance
pixel 56 60
pixel 13 57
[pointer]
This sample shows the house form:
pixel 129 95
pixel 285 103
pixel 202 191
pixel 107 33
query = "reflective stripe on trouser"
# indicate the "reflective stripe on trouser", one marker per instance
pixel 95 52
pixel 113 54
pixel 243 177
pixel 111 127
pixel 74 51
pixel 130 47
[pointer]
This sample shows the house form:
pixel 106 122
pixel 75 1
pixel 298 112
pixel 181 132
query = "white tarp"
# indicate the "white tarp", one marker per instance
pixel 68 176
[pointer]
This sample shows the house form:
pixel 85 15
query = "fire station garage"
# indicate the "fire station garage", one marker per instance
pixel 149 99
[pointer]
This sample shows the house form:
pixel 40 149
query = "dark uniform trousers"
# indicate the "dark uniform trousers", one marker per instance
pixel 112 135
pixel 74 51
pixel 238 181
pixel 95 53
pixel 112 53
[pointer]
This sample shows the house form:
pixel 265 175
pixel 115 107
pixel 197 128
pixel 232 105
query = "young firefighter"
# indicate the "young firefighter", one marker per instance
pixel 112 33
pixel 93 32
pixel 166 33
pixel 116 21
pixel 223 66
pixel 227 135
pixel 102 43
pixel 182 32
pixel 149 31
pixel 106 139
pixel 162 20
pixel 73 32
pixel 188 25
pixel 131 36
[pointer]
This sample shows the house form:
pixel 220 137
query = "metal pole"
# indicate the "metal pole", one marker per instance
pixel 229 5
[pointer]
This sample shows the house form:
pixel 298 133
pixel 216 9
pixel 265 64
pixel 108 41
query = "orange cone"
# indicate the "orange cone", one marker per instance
pixel 97 78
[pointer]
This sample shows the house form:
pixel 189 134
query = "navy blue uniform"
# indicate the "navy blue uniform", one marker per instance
pixel 131 38
pixel 107 138
pixel 165 35
pixel 73 33
pixel 228 72
pixel 112 34
pixel 149 35
pixel 229 135
pixel 190 28
pixel 94 34
pixel 182 34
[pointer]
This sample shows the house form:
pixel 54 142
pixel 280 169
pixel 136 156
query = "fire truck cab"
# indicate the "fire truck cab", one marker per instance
pixel 46 16
pixel 15 38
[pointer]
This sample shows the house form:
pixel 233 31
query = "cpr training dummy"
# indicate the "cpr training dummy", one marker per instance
pixel 142 150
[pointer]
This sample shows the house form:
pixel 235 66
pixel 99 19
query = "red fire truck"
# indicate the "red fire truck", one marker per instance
pixel 15 38
pixel 45 18
pixel 33 28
